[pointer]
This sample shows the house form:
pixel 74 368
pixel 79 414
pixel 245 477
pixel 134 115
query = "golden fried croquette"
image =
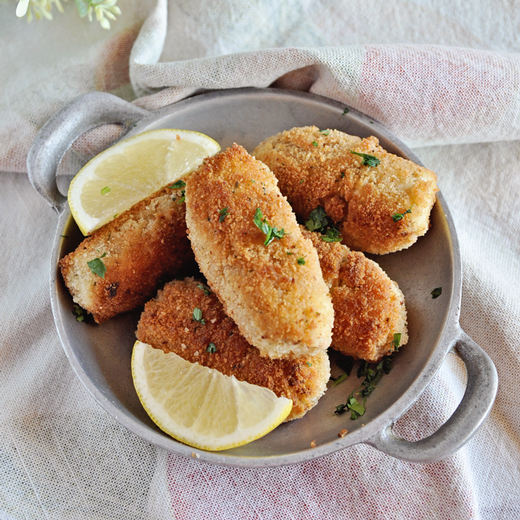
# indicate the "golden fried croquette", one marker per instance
pixel 273 291
pixel 138 249
pixel 378 208
pixel 369 308
pixel 213 340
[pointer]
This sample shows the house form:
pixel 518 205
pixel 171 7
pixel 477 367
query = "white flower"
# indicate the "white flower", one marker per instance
pixel 104 10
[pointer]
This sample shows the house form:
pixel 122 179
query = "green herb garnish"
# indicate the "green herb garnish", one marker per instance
pixel 325 132
pixel 317 219
pixel 399 216
pixel 339 379
pixel 105 190
pixel 301 260
pixel 314 143
pixel 78 312
pixel 346 111
pixel 396 341
pixel 223 214
pixel 177 185
pixel 211 348
pixel 270 232
pixel 97 266
pixel 368 160
pixel 436 292
pixel 309 364
pixel 203 288
pixel 183 197
pixel 197 316
pixel 332 235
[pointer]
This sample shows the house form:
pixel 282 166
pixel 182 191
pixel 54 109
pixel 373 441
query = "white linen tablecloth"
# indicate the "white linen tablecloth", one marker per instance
pixel 444 76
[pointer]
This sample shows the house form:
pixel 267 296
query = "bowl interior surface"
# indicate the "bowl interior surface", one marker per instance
pixel 100 354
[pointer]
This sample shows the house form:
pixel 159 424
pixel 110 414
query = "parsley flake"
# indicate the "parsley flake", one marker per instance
pixel 315 143
pixel 436 292
pixel 396 341
pixel 346 111
pixel 183 197
pixel 211 348
pixel 339 379
pixel 105 190
pixel 368 160
pixel 301 260
pixel 399 216
pixel 197 316
pixel 332 235
pixel 177 185
pixel 270 232
pixel 78 312
pixel 204 289
pixel 97 266
pixel 325 132
pixel 223 214
pixel 317 219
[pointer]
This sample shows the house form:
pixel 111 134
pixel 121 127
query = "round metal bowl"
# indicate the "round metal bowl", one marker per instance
pixel 100 354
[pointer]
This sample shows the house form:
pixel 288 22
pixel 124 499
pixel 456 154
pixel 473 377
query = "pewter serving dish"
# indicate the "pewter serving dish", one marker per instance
pixel 100 354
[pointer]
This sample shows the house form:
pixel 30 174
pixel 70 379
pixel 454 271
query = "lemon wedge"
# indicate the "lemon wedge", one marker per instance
pixel 200 406
pixel 127 172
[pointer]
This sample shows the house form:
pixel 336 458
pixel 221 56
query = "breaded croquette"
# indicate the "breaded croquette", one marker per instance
pixel 250 249
pixel 120 266
pixel 189 320
pixel 380 202
pixel 369 308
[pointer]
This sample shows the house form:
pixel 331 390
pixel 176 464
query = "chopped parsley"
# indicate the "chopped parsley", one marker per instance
pixel 318 221
pixel 270 232
pixel 183 197
pixel 301 260
pixel 314 143
pixel 211 348
pixel 177 185
pixel 78 312
pixel 197 316
pixel 346 111
pixel 309 364
pixel 399 216
pixel 105 190
pixel 97 266
pixel 368 160
pixel 204 289
pixel 223 214
pixel 339 379
pixel 325 132
pixel 332 235
pixel 436 292
pixel 396 341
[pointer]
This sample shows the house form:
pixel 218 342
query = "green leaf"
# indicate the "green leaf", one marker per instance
pixel 197 316
pixel 368 160
pixel 315 143
pixel 78 312
pixel 325 132
pixel 301 260
pixel 317 219
pixel 211 348
pixel 203 288
pixel 269 231
pixel 436 292
pixel 339 379
pixel 97 266
pixel 345 112
pixel 177 185
pixel 223 214
pixel 332 235
pixel 396 341
pixel 399 216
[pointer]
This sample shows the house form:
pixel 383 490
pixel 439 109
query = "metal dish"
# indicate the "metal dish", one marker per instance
pixel 100 355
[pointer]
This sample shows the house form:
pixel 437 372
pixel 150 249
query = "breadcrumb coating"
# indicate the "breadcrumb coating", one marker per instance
pixel 369 308
pixel 275 293
pixel 168 323
pixel 317 168
pixel 139 248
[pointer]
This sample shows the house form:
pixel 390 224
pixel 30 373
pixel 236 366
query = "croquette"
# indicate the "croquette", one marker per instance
pixel 369 308
pixel 250 248
pixel 380 202
pixel 188 319
pixel 120 266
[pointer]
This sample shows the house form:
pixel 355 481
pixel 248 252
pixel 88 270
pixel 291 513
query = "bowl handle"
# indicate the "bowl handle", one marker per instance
pixel 59 132
pixel 476 403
